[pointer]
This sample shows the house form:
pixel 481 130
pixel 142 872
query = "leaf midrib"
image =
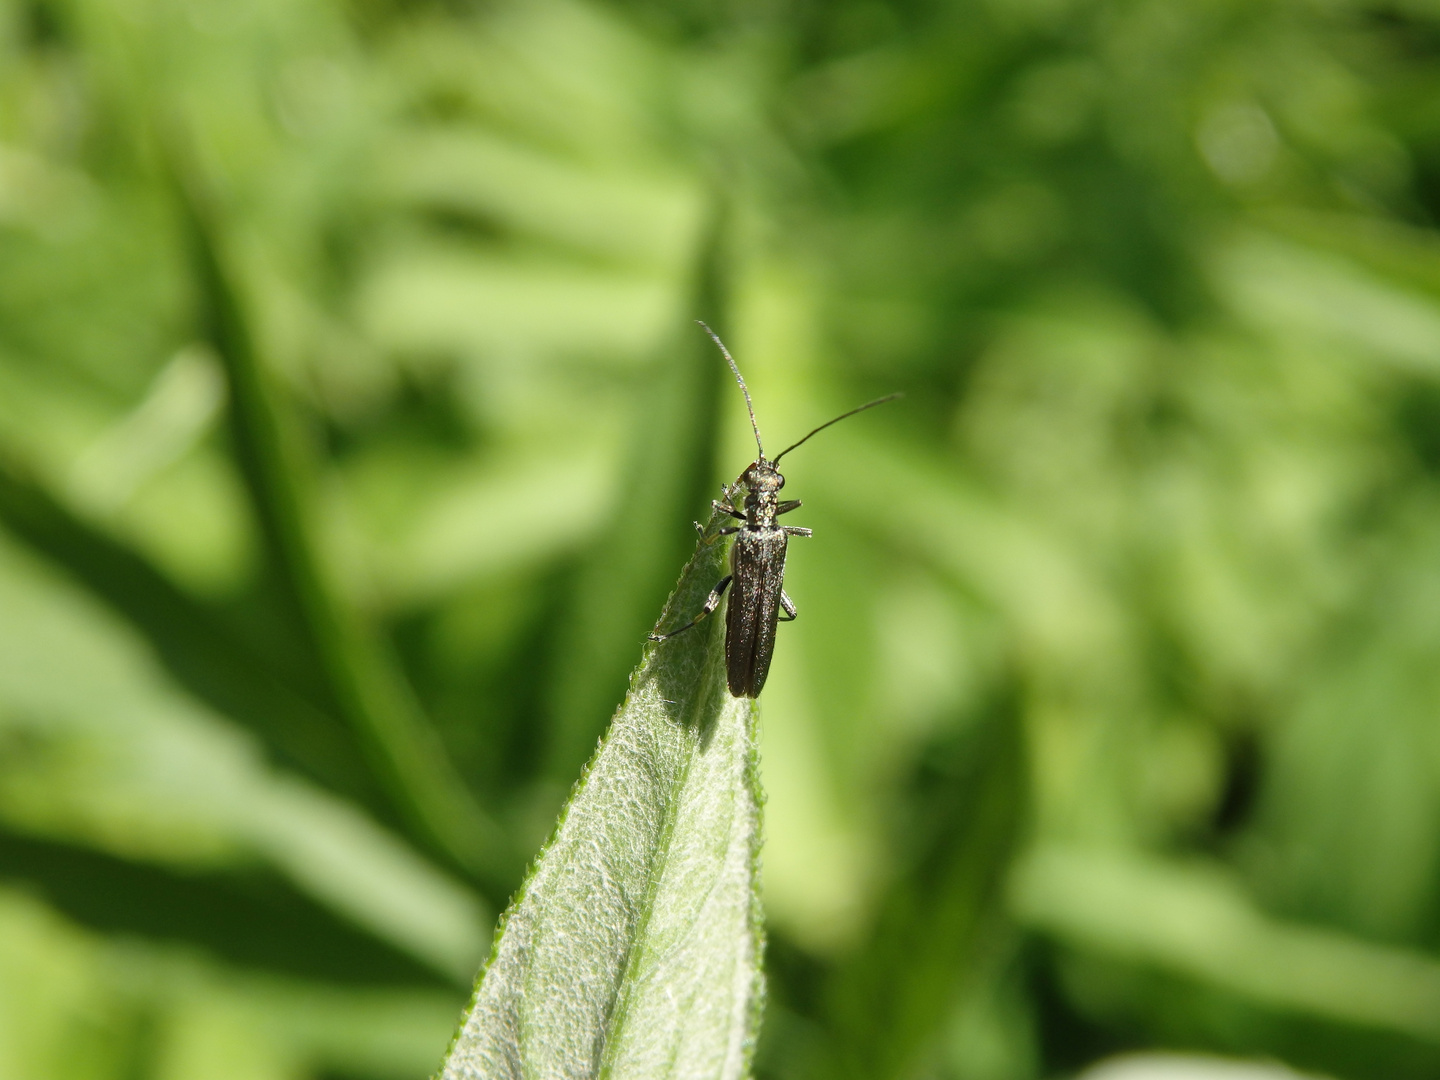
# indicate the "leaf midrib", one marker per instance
pixel 619 1010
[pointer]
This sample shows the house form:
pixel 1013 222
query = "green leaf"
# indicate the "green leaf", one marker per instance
pixel 634 948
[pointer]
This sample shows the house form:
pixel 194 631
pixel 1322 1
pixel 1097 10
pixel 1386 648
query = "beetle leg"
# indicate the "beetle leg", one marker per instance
pixel 718 532
pixel 726 508
pixel 711 603
pixel 786 506
pixel 788 606
pixel 795 530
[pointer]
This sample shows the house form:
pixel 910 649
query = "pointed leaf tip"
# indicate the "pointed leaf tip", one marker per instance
pixel 634 948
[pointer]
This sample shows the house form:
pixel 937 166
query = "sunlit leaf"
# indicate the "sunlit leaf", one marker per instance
pixel 634 948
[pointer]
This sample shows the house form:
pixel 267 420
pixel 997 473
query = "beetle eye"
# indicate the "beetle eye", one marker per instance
pixel 781 483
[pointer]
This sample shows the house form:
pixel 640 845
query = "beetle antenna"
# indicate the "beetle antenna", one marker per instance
pixel 743 389
pixel 842 416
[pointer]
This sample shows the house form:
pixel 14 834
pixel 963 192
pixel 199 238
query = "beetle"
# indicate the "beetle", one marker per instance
pixel 757 559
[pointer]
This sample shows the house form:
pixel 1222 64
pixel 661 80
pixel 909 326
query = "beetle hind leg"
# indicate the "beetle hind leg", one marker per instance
pixel 711 603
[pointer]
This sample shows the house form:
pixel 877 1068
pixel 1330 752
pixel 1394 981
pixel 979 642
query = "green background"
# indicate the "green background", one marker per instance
pixel 353 418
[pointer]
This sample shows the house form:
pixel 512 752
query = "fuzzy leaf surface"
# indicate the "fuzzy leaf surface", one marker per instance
pixel 634 948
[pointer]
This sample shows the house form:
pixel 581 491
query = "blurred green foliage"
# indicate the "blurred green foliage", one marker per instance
pixel 352 421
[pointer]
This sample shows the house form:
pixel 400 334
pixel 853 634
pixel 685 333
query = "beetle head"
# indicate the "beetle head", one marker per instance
pixel 762 476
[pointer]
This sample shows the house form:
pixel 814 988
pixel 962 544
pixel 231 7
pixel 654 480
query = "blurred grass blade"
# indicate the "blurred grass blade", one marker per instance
pixel 134 809
pixel 1195 920
pixel 634 948
pixel 194 641
pixel 371 694
pixel 935 918
pixel 251 919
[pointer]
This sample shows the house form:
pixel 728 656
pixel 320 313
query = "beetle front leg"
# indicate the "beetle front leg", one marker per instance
pixel 711 603
pixel 726 503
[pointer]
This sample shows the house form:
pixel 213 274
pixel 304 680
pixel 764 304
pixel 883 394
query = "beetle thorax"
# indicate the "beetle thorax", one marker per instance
pixel 762 492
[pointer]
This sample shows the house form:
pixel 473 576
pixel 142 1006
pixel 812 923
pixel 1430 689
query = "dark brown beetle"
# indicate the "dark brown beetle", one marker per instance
pixel 757 561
